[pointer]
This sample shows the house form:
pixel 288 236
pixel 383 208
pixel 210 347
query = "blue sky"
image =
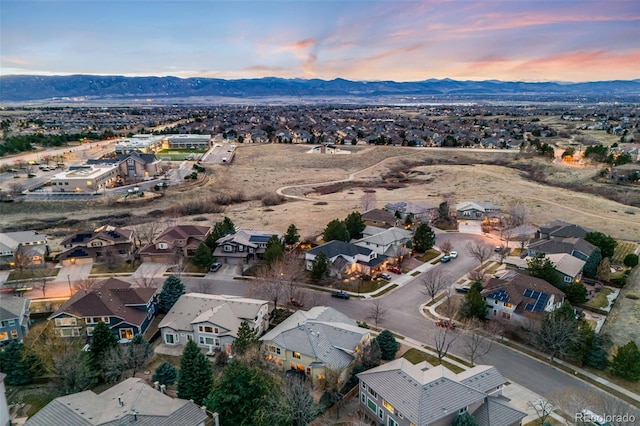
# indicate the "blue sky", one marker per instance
pixel 359 40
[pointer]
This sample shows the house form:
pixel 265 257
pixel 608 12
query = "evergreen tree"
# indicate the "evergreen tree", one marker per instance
pixel 605 243
pixel 424 238
pixel 541 267
pixel 13 364
pixel 598 354
pixel 203 256
pixel 354 225
pixel 371 355
pixel 388 345
pixel 195 379
pixel 220 229
pixel 464 419
pixel 576 292
pixel 165 373
pixel 474 305
pixel 247 337
pixel 591 266
pixel 102 341
pixel 336 230
pixel 291 237
pixel 240 393
pixel 274 250
pixel 320 267
pixel 172 289
pixel 626 362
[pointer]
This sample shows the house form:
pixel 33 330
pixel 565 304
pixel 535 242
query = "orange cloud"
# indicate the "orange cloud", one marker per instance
pixel 299 45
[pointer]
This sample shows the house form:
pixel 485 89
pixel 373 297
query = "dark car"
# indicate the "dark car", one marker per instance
pixel 445 259
pixel 215 267
pixel 340 294
pixel 296 303
pixel 464 289
pixel 394 269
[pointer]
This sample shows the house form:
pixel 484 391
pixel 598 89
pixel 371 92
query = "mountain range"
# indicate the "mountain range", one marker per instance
pixel 29 88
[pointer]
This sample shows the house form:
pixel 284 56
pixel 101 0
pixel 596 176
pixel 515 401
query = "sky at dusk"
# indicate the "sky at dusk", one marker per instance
pixel 357 40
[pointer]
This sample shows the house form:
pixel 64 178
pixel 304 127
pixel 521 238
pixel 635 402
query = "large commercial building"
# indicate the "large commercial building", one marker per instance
pixel 85 179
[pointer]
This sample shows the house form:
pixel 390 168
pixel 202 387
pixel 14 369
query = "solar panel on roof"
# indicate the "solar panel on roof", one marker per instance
pixel 527 292
pixel 528 307
pixel 535 294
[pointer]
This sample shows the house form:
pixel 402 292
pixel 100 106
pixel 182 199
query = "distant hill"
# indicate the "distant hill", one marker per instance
pixel 22 88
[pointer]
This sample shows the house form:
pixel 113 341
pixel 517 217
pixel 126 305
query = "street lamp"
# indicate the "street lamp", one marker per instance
pixel 69 280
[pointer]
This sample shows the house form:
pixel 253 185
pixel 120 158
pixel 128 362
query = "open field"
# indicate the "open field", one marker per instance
pixel 410 174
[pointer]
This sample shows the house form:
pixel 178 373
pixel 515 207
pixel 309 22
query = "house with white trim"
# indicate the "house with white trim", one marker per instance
pixel 347 258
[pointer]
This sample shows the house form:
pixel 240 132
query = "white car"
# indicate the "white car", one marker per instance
pixel 453 254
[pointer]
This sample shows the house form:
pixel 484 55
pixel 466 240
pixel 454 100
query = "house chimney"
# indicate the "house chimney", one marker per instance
pixel 135 416
pixel 120 402
pixel 156 385
pixel 163 388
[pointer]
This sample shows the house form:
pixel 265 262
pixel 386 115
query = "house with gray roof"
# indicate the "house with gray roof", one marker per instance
pixel 310 342
pixel 212 320
pixel 25 247
pixel 129 402
pixel 243 246
pixel 418 212
pixel 559 229
pixel 576 247
pixel 347 258
pixel 380 218
pixel 477 210
pixel 400 393
pixel 568 268
pixel 14 318
pixel 391 242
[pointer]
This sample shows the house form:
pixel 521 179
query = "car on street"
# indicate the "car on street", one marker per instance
pixel 215 267
pixel 383 276
pixel 340 294
pixel 497 249
pixel 294 302
pixel 445 259
pixel 463 289
pixel 394 269
pixel 453 254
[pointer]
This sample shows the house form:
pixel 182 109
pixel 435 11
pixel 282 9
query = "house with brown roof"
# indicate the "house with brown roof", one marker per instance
pixel 520 298
pixel 102 244
pixel 380 218
pixel 418 212
pixel 127 310
pixel 174 243
pixel 401 393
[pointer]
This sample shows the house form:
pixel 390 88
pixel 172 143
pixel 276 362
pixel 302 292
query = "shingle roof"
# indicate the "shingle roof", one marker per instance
pixel 566 264
pixel 151 408
pixel 424 395
pixel 322 333
pixel 560 229
pixel 222 310
pixel 335 248
pixel 496 411
pixel 12 306
pixel 111 297
pixel 106 232
pixel 247 237
pixel 511 288
pixel 385 236
pixel 11 240
pixel 476 205
pixel 379 215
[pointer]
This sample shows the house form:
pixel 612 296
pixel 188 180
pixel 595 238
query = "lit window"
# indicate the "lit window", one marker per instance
pixel 14 334
pixel 296 355
pixel 388 406
pixel 64 322
pixel 4 335
pixel 507 305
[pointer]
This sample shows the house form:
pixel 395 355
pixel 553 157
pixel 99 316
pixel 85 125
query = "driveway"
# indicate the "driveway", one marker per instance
pixel 73 273
pixel 150 271
pixel 470 227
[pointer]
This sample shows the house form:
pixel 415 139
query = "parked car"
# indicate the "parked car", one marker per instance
pixel 453 254
pixel 340 294
pixel 215 267
pixel 463 289
pixel 383 276
pixel 445 259
pixel 497 249
pixel 394 269
pixel 296 303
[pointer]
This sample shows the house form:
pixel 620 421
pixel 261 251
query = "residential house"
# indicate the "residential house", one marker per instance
pixel 559 230
pixel 346 258
pixel 104 244
pixel 400 393
pixel 568 268
pixel 127 310
pixel 576 247
pixel 131 401
pixel 477 210
pixel 519 298
pixel 212 321
pixel 380 218
pixel 23 247
pixel 243 246
pixel 418 212
pixel 14 318
pixel 174 243
pixel 313 341
pixel 392 242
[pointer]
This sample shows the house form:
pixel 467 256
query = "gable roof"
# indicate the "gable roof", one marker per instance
pixel 482 206
pixel 497 411
pixel 562 245
pixel 560 229
pixel 149 406
pixel 183 232
pixel 424 394
pixel 9 241
pixel 222 310
pixel 247 237
pixel 409 207
pixel 384 237
pixel 321 333
pixel 379 215
pixel 112 297
pixel 566 264
pixel 335 248
pixel 12 306
pixel 138 157
pixel 105 232
pixel 521 290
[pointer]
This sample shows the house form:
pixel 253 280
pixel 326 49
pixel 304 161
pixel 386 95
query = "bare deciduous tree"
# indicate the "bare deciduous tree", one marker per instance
pixel 519 213
pixel 446 246
pixel 83 284
pixel 443 340
pixel 478 338
pixel 433 281
pixel 144 279
pixel 377 311
pixel 368 201
pixel 145 232
pixel 543 409
pixel 281 279
pixel 479 250
pixel 300 403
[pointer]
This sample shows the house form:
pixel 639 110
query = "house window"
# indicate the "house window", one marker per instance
pixel 507 305
pixel 14 334
pixel 278 351
pixel 4 335
pixel 228 248
pixel 204 340
pixel 372 405
pixel 189 337
pixel 462 410
pixel 363 398
pixel 251 250
pixel 90 331
pixel 364 385
pixel 169 339
pixel 391 422
pixel 567 279
pixel 495 302
pixel 70 332
pixel 506 315
pixel 373 393
pixel 388 406
pixel 308 371
pixel 12 322
pixel 163 246
pixel 380 412
pixel 126 333
pixel 65 322
pixel 240 247
pixel 296 355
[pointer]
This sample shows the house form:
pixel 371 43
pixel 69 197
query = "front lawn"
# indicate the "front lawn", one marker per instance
pixel 101 268
pixel 33 273
pixel 428 255
pixel 416 356
pixel 366 287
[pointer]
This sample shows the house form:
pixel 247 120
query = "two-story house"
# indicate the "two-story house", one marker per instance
pixel 23 248
pixel 314 341
pixel 391 242
pixel 242 246
pixel 175 242
pixel 346 258
pixel 127 310
pixel 518 298
pixel 559 229
pixel 576 247
pixel 14 318
pixel 568 268
pixel 102 244
pixel 212 321
pixel 400 393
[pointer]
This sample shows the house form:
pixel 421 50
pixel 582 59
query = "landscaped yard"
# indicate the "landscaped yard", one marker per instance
pixel 416 356
pixel 428 255
pixel 366 286
pixel 33 273
pixel 622 249
pixel 600 301
pixel 99 268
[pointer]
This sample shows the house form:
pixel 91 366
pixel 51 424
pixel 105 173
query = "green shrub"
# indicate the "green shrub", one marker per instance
pixel 631 260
